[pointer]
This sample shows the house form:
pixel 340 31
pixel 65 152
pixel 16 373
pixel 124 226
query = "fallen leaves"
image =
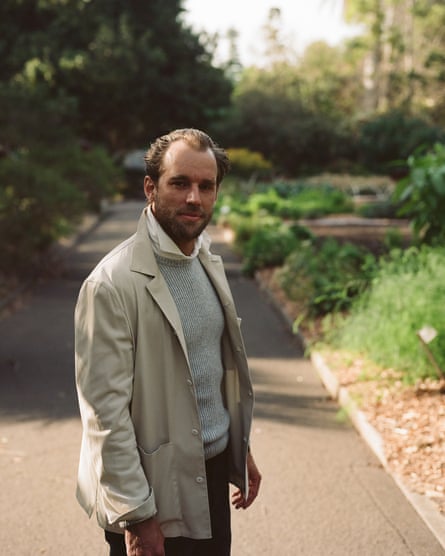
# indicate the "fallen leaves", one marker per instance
pixel 410 420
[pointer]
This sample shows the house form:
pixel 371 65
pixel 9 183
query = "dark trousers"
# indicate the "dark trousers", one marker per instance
pixel 219 544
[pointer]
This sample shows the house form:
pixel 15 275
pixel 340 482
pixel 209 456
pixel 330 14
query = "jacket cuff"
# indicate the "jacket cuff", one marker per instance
pixel 139 514
pixel 126 524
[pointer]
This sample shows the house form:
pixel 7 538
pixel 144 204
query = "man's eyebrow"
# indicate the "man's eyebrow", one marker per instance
pixel 187 178
pixel 179 177
pixel 210 181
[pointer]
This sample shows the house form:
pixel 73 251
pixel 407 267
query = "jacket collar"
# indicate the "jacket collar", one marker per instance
pixel 144 262
pixel 143 259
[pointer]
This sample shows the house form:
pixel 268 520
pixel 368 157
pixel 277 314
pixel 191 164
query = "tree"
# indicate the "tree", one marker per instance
pixel 133 68
pixel 277 49
pixel 270 116
pixel 78 73
pixel 330 80
pixel 403 62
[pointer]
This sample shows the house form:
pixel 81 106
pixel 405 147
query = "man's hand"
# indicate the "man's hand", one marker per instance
pixel 145 539
pixel 254 477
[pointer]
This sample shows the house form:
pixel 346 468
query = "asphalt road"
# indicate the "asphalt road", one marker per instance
pixel 324 493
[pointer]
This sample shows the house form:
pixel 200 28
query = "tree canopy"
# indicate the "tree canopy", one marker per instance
pixel 131 67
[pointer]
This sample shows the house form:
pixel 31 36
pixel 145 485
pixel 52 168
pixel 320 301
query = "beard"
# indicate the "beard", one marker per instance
pixel 180 231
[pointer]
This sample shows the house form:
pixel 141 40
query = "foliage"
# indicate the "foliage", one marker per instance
pixel 403 66
pixel 42 193
pixel 289 200
pixel 269 115
pixel 317 202
pixel 89 169
pixel 244 226
pixel 325 276
pixel 133 69
pixel 36 207
pixel 384 322
pixel 313 201
pixel 422 194
pixel 394 136
pixel 306 114
pixel 47 177
pixel 248 164
pixel 379 209
pixel 31 116
pixel 268 246
pixel 330 80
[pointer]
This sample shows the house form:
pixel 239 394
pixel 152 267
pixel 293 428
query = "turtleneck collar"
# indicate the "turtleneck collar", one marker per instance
pixel 164 246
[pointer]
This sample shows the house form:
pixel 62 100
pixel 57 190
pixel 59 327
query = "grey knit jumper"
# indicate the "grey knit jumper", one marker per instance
pixel 202 321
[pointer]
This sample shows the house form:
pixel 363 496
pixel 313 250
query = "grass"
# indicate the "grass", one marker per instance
pixel 406 295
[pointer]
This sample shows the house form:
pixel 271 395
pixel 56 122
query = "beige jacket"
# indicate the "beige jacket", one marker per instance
pixel 142 452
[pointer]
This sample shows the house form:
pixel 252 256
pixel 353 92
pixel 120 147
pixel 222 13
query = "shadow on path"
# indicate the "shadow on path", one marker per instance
pixel 37 341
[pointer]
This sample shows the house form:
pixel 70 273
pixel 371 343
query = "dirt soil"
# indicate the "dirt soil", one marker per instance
pixel 410 420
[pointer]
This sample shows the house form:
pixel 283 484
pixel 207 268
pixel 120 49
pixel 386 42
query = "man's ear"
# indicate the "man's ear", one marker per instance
pixel 149 187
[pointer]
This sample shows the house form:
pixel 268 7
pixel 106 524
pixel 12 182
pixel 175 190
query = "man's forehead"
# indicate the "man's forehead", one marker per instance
pixel 180 151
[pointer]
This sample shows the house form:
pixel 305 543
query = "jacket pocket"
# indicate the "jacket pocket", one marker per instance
pixel 161 471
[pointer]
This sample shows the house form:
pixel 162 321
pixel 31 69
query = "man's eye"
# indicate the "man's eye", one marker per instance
pixel 207 187
pixel 179 184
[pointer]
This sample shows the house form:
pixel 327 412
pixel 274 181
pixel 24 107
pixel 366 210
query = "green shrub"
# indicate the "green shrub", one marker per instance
pixel 406 294
pixel 298 200
pixel 268 246
pixel 268 201
pixel 301 232
pixel 379 209
pixel 42 193
pixel 394 136
pixel 314 202
pixel 228 205
pixel 249 164
pixel 90 170
pixel 326 276
pixel 36 207
pixel 245 226
pixel 393 239
pixel 291 201
pixel 422 194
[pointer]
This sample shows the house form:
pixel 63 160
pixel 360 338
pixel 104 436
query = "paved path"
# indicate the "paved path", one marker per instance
pixel 323 494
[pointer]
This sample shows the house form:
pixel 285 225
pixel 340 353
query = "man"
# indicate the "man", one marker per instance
pixel 163 384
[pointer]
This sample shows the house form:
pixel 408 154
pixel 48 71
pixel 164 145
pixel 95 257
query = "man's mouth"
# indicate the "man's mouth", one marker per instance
pixel 191 216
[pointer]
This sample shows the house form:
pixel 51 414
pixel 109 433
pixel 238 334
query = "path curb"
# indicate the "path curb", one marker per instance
pixel 423 506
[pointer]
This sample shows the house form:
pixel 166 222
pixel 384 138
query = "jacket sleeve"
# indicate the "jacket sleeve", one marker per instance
pixel 104 354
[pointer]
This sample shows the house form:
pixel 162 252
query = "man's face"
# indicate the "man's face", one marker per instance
pixel 185 195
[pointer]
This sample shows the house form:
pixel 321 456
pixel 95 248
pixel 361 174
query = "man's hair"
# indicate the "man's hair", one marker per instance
pixel 196 139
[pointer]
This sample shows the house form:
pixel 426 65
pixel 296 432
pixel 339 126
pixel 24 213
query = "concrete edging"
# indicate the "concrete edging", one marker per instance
pixel 423 506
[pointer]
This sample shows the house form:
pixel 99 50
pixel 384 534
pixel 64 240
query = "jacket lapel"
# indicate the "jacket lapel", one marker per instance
pixel 215 270
pixel 144 262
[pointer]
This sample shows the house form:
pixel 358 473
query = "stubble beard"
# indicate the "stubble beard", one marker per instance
pixel 176 230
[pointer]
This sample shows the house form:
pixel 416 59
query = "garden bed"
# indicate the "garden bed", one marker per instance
pixel 369 232
pixel 410 419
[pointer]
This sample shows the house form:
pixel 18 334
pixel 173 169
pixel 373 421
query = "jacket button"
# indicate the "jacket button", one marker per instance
pixel 189 382
pixel 195 432
pixel 199 480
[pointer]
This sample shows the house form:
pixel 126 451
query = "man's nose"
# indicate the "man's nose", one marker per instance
pixel 193 195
